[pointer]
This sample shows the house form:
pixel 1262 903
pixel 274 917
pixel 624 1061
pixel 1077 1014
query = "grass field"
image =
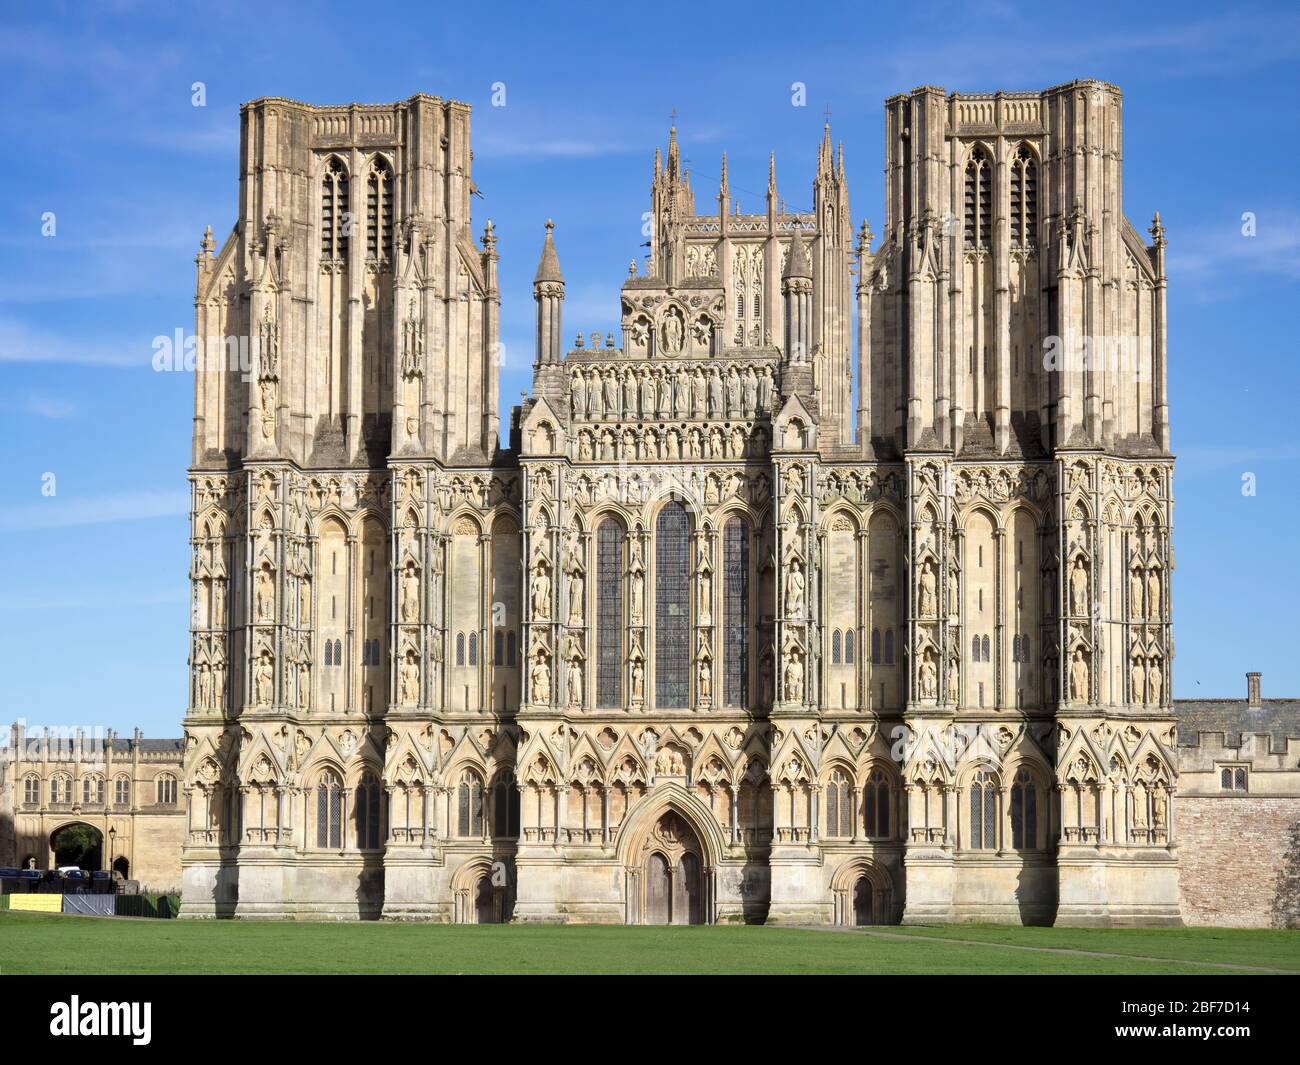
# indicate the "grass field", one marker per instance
pixel 40 943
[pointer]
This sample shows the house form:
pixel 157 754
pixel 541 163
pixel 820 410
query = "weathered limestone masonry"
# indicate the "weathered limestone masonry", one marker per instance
pixel 704 643
pixel 1239 810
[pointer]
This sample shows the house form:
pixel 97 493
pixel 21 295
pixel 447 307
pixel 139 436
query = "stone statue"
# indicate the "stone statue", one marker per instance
pixel 541 678
pixel 410 595
pixel 794 584
pixel 263 679
pixel 672 333
pixel 219 684
pixel 1153 595
pixel 205 687
pixel 1155 680
pixel 265 594
pixel 1079 678
pixel 575 683
pixel 1137 678
pixel 218 604
pixel 541 594
pixel 1135 592
pixel 765 678
pixel 793 679
pixel 705 681
pixel 576 589
pixel 1079 589
pixel 929 678
pixel 954 682
pixel 1159 807
pixel 410 681
pixel 929 591
pixel 638 681
pixel 638 597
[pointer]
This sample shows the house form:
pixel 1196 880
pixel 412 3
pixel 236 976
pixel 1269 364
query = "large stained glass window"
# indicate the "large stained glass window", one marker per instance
pixel 609 614
pixel 735 612
pixel 672 607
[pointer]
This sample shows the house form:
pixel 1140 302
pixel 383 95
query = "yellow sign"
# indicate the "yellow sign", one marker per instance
pixel 37 903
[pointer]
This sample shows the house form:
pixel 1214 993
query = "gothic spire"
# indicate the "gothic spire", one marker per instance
pixel 797 263
pixel 548 268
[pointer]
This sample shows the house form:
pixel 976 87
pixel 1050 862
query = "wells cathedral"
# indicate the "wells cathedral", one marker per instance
pixel 727 632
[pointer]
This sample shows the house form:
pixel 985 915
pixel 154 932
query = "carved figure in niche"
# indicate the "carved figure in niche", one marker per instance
pixel 265 594
pixel 575 683
pixel 579 390
pixel 682 394
pixel 584 447
pixel 611 394
pixel 541 679
pixel 929 590
pixel 205 686
pixel 1137 677
pixel 541 594
pixel 765 678
pixel 1079 589
pixel 1159 806
pixel 1155 681
pixel 219 604
pixel 576 588
pixel 929 677
pixel 733 392
pixel 699 389
pixel 794 585
pixel 410 680
pixel 410 594
pixel 715 394
pixel 638 597
pixel 263 680
pixel 1079 678
pixel 794 678
pixel 219 684
pixel 705 680
pixel 1153 595
pixel 672 335
pixel 954 682
pixel 750 390
pixel 638 681
pixel 1135 592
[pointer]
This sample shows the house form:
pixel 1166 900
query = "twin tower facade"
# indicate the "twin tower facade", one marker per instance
pixel 726 632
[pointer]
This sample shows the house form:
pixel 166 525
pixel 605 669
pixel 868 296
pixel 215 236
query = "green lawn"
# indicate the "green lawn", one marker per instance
pixel 52 943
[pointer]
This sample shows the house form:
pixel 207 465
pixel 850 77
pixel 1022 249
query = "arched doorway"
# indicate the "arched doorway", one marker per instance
pixel 78 844
pixel 864 911
pixel 673 874
pixel 863 893
pixel 122 866
pixel 489 902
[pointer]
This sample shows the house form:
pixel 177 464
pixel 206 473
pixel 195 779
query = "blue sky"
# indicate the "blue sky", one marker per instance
pixel 96 113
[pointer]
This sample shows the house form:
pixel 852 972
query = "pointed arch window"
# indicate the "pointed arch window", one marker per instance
pixel 983 812
pixel 1024 198
pixel 469 805
pixel 735 612
pixel 848 647
pixel 978 199
pixel 609 614
pixel 329 811
pixel 367 813
pixel 672 607
pixel 505 807
pixel 510 648
pixel 32 791
pixel 122 791
pixel 379 211
pixel 1024 812
pixel 166 790
pixel 876 804
pixel 839 805
pixel 875 647
pixel 334 219
pixel 889 647
pixel 473 648
pixel 837 654
pixel 460 648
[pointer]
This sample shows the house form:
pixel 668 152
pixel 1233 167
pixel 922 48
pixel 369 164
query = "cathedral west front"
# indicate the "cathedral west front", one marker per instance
pixel 831 587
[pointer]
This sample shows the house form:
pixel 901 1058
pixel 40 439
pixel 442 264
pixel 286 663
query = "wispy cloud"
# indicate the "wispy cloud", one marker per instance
pixel 1224 249
pixel 19 342
pixel 44 406
pixel 55 512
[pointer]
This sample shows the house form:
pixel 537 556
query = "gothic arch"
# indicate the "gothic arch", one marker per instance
pixel 881 882
pixel 666 798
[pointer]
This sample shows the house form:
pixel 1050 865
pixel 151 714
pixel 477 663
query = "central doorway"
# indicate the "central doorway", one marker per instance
pixel 673 872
